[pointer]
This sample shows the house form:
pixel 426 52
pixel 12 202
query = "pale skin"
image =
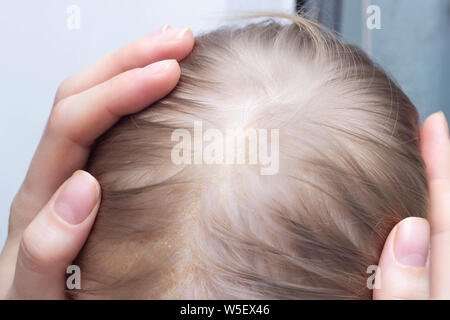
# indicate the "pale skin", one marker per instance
pixel 55 208
pixel 422 272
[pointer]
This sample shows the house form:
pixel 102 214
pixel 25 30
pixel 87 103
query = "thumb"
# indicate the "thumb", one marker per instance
pixel 53 239
pixel 403 268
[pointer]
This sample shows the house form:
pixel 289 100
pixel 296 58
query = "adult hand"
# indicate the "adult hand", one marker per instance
pixel 416 256
pixel 55 208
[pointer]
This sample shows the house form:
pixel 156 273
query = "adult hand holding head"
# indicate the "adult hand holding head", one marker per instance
pixel 55 208
pixel 415 259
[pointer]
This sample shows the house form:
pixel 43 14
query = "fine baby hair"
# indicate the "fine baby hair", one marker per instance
pixel 349 168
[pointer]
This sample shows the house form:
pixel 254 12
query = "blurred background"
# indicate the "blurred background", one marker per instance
pixel 43 42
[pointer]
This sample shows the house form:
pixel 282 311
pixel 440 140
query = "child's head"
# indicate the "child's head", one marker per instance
pixel 348 170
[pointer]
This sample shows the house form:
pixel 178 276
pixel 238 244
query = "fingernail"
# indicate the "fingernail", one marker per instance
pixel 182 33
pixel 174 34
pixel 77 198
pixel 165 28
pixel 443 119
pixel 412 240
pixel 157 67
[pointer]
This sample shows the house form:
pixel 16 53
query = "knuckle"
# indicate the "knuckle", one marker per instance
pixel 63 89
pixel 14 210
pixel 57 114
pixel 15 204
pixel 21 203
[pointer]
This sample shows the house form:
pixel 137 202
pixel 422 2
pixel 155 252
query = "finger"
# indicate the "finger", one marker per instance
pixel 403 268
pixel 165 43
pixel 78 120
pixel 44 176
pixel 54 238
pixel 435 144
pixel 83 117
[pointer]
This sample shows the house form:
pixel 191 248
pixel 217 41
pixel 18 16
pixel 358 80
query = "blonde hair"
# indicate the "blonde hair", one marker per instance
pixel 350 169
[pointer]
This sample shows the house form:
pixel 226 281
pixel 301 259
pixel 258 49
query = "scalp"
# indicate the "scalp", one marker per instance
pixel 349 170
